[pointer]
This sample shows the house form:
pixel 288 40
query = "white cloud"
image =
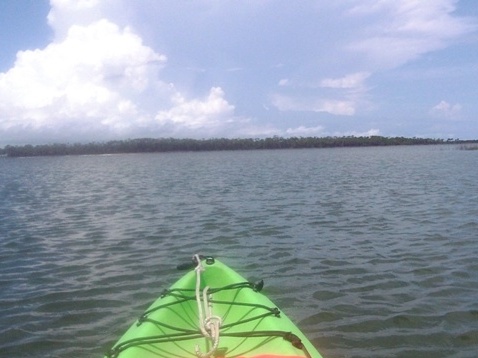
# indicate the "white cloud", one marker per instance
pixel 332 106
pixel 354 80
pixel 65 13
pixel 345 108
pixel 97 78
pixel 400 31
pixel 348 93
pixel 106 69
pixel 369 133
pixel 88 78
pixel 377 36
pixel 283 82
pixel 446 110
pixel 196 114
pixel 303 131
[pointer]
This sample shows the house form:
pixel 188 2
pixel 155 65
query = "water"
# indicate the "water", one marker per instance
pixel 372 251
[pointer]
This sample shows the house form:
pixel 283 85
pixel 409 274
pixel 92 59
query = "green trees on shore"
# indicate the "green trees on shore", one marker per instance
pixel 151 145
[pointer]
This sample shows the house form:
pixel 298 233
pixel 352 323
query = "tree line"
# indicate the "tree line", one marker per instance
pixel 155 145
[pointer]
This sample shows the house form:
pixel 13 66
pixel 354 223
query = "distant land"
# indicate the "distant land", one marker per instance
pixel 158 145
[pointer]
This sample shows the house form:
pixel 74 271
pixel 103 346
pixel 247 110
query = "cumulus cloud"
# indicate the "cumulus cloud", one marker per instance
pixel 97 77
pixel 446 110
pixel 196 114
pixel 65 13
pixel 85 80
pixel 127 68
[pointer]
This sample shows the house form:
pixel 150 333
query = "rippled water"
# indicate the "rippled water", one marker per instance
pixel 372 251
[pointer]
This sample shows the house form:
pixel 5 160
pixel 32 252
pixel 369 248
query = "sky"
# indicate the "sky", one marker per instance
pixel 96 70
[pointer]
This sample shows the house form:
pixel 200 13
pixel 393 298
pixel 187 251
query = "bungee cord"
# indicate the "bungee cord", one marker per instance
pixel 209 325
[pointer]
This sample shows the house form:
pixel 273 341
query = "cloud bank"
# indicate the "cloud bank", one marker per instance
pixel 121 69
pixel 99 78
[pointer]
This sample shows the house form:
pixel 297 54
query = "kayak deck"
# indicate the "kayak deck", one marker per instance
pixel 249 324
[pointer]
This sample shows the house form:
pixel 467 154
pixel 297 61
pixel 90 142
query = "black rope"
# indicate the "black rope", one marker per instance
pixel 135 342
pixel 186 334
pixel 257 286
pixel 176 292
pixel 288 336
pixel 165 325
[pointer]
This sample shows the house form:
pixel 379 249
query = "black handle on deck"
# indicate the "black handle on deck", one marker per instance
pixel 193 263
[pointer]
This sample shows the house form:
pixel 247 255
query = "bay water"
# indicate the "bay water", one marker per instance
pixel 373 252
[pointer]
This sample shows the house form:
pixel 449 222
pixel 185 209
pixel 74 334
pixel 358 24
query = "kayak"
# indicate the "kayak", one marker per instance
pixel 212 311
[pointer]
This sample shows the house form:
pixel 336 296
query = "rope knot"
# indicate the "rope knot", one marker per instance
pixel 212 323
pixel 209 324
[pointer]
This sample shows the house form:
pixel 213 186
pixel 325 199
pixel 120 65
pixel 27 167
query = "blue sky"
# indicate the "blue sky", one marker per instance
pixel 84 70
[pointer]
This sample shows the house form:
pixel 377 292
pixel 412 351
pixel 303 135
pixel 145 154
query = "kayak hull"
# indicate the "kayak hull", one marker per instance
pixel 251 326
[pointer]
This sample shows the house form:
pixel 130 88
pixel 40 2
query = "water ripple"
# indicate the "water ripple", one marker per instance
pixel 372 251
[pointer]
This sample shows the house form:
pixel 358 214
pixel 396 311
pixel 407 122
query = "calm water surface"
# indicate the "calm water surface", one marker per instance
pixel 372 251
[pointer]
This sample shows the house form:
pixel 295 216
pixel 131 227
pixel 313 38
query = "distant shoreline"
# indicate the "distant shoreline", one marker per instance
pixel 161 145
